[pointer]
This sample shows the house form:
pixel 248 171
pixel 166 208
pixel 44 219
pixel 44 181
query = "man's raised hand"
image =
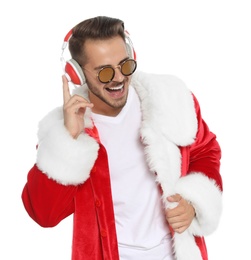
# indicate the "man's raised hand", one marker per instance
pixel 74 109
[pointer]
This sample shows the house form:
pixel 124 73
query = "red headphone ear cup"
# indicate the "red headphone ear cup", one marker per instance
pixel 74 72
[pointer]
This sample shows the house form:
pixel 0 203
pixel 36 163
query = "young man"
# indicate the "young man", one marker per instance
pixel 129 156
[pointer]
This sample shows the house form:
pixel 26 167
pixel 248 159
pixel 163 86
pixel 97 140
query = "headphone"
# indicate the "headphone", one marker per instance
pixel 72 69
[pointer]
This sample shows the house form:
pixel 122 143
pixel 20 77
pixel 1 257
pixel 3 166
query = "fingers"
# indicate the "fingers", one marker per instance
pixel 75 103
pixel 178 223
pixel 74 109
pixel 179 229
pixel 181 216
pixel 66 91
pixel 174 198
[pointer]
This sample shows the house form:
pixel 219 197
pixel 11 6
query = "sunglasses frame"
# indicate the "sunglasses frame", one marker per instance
pixel 113 70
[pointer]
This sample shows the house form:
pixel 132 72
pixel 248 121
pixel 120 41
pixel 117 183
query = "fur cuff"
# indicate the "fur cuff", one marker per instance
pixel 206 198
pixel 62 158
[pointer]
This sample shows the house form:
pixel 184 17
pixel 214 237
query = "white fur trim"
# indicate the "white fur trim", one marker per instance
pixel 167 107
pixel 59 156
pixel 169 121
pixel 185 247
pixel 206 198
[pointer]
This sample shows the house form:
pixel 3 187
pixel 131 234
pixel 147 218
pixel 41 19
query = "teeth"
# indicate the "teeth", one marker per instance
pixel 116 88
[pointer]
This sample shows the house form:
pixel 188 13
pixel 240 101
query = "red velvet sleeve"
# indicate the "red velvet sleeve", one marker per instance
pixel 46 201
pixel 205 152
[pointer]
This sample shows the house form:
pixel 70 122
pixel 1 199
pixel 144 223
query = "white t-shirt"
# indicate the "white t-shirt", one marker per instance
pixel 141 227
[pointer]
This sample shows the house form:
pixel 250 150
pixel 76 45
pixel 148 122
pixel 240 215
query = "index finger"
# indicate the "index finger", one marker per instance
pixel 66 90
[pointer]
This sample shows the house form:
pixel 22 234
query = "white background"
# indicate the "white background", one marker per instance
pixel 205 43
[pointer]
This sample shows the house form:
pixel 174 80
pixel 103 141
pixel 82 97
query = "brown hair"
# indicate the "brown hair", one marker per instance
pixel 97 28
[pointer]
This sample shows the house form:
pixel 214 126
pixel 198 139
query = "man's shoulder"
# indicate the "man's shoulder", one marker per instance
pixel 166 80
pixel 163 87
pixel 168 104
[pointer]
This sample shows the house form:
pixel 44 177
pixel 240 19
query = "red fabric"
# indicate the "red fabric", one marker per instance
pixel 202 246
pixel 46 201
pixel 205 152
pixel 94 233
pixel 94 236
pixel 202 156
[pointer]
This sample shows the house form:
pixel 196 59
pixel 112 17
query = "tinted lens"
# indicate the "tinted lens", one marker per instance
pixel 106 74
pixel 128 67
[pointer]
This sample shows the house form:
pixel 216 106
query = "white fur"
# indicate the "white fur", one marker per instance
pixel 185 247
pixel 206 199
pixel 168 107
pixel 168 121
pixel 59 156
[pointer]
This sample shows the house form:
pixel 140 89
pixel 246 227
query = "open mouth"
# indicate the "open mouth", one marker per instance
pixel 115 89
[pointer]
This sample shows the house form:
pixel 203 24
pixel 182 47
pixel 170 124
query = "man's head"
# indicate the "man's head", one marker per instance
pixel 100 48
pixel 95 29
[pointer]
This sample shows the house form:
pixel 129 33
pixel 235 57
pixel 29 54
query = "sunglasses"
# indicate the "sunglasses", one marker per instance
pixel 107 73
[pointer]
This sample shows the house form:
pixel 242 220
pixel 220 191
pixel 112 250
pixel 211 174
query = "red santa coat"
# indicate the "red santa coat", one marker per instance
pixel 72 176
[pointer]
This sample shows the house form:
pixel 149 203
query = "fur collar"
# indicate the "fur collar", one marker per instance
pixel 168 121
pixel 167 107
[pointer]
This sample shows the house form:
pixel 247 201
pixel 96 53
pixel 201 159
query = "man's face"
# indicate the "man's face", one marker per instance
pixel 108 98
